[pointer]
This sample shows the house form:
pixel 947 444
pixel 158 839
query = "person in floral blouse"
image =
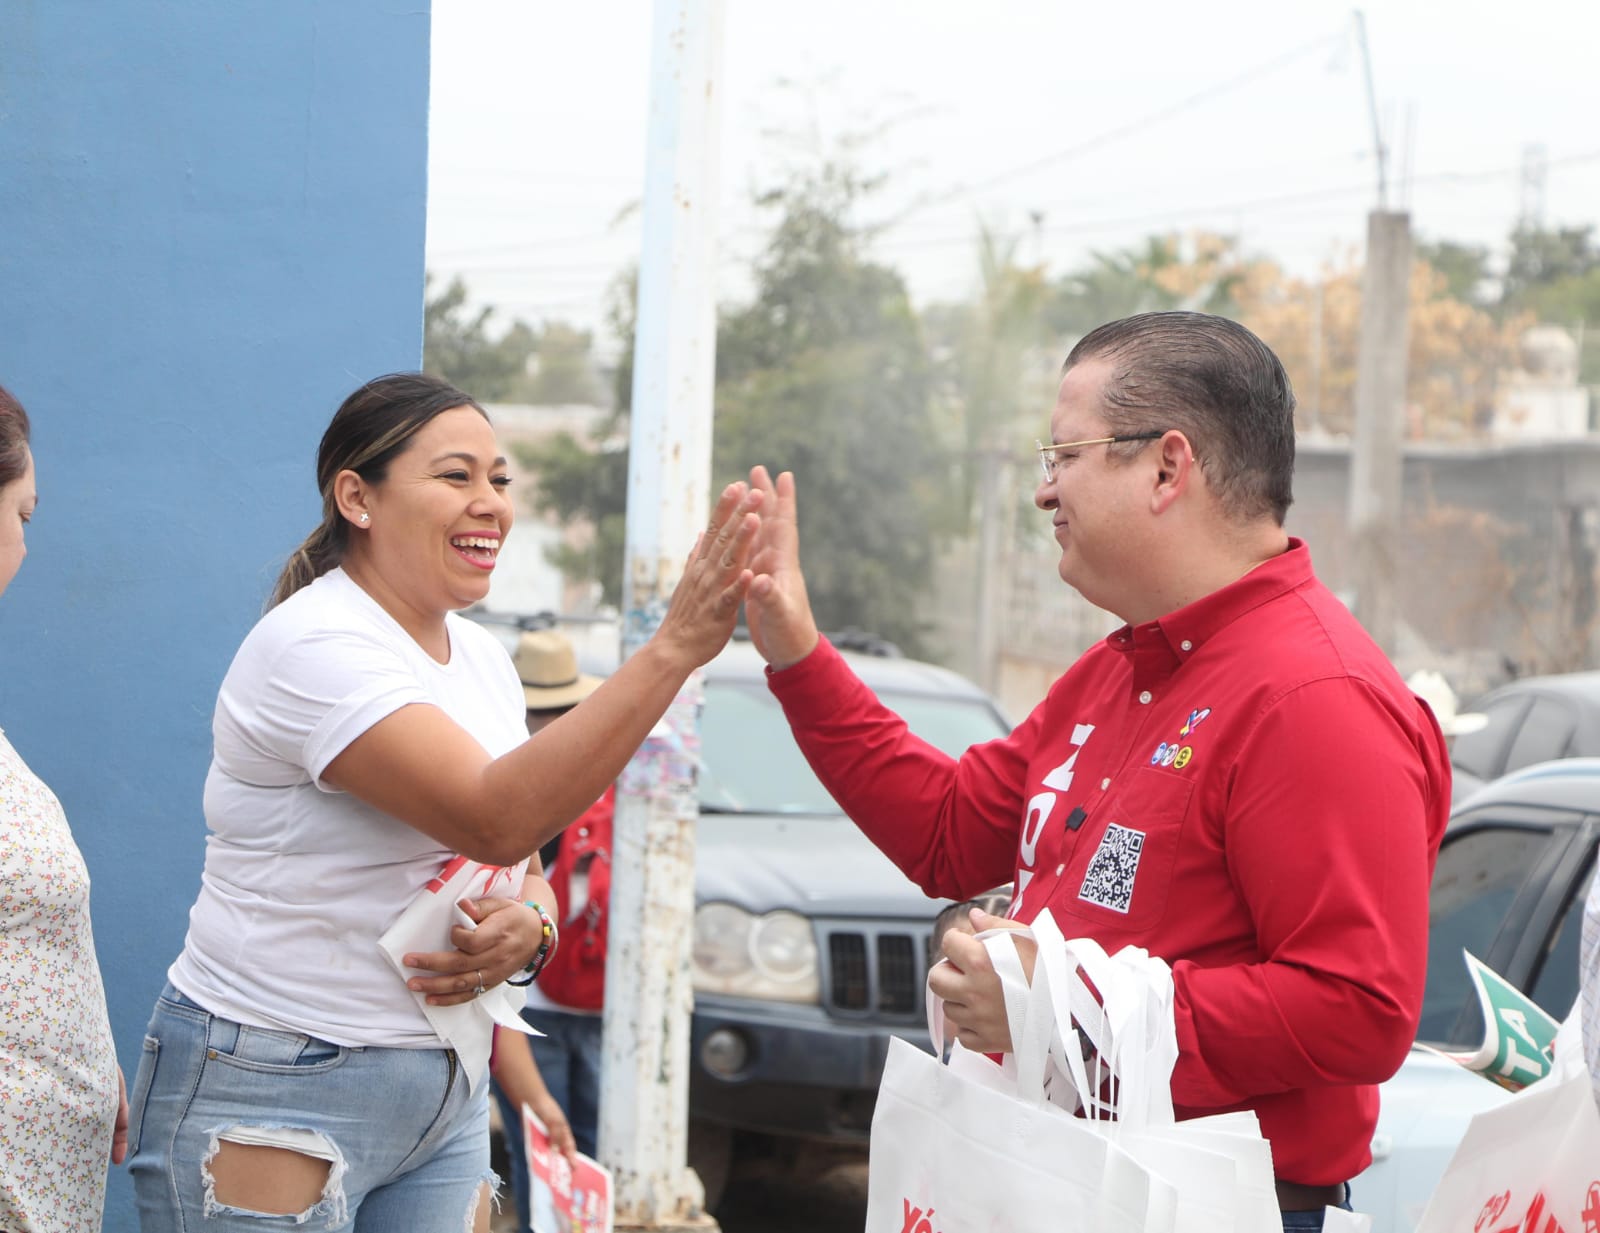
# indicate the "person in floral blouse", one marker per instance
pixel 62 1111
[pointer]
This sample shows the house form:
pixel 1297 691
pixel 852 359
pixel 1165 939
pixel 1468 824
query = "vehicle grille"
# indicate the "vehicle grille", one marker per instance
pixel 874 972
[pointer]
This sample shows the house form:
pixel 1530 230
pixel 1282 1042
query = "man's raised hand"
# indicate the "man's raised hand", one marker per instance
pixel 776 606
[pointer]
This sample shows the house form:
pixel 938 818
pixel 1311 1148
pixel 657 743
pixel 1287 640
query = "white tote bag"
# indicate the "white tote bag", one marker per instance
pixel 1532 1163
pixel 953 1152
pixel 1220 1167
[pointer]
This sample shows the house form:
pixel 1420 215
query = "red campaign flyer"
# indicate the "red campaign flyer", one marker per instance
pixel 563 1198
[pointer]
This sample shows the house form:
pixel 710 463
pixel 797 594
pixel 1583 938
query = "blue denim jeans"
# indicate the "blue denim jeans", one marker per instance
pixel 568 1057
pixel 1293 1222
pixel 406 1143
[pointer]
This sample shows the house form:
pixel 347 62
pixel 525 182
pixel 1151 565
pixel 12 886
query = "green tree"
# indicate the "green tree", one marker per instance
pixel 1541 258
pixel 1573 302
pixel 583 484
pixel 1555 277
pixel 622 315
pixel 1154 277
pixel 553 364
pixel 1465 268
pixel 1113 285
pixel 825 373
pixel 563 369
pixel 456 345
pixel 996 363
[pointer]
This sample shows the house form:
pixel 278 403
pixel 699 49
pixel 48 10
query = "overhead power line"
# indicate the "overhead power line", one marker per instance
pixel 1133 126
pixel 1174 214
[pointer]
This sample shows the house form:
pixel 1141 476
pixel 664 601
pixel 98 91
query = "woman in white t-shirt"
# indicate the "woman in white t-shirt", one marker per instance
pixel 364 735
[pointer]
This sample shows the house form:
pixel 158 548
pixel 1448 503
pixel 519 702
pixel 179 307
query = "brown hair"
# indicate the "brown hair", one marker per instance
pixel 367 432
pixel 1217 383
pixel 14 430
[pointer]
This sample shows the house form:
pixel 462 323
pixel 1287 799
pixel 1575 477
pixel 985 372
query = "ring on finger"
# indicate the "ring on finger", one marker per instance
pixel 480 989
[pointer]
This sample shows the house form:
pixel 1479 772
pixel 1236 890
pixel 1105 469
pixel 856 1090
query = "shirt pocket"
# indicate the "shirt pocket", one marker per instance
pixel 1120 876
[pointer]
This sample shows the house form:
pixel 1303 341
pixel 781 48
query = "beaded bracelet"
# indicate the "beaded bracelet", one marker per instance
pixel 548 938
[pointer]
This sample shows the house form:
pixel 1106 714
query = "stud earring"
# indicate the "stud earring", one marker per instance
pixel 366 518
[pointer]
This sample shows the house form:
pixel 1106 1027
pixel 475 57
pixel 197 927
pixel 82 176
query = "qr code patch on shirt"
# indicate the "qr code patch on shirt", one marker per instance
pixel 1108 882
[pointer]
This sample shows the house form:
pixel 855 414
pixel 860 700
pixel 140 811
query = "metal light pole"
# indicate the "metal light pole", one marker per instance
pixel 644 1107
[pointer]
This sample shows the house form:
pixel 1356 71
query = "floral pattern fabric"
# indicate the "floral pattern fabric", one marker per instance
pixel 58 1066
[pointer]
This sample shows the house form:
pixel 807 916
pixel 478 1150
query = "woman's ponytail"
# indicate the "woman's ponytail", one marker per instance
pixel 322 550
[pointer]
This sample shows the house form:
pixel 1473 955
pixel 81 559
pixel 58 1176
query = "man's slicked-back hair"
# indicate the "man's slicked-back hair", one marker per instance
pixel 1218 384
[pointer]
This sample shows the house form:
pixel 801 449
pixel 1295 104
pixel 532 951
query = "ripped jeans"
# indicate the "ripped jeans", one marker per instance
pixel 393 1137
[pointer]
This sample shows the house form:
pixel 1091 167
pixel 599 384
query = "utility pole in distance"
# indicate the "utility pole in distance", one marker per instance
pixel 1375 449
pixel 1375 463
pixel 644 1101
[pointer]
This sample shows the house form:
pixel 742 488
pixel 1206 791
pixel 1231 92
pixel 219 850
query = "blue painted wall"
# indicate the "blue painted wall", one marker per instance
pixel 211 229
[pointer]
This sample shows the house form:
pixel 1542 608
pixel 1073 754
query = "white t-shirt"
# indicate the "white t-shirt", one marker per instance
pixel 301 879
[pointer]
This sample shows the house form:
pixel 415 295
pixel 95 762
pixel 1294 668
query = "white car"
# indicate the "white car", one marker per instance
pixel 1513 873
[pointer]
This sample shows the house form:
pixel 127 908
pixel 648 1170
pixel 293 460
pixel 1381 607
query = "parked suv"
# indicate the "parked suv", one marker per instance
pixel 810 947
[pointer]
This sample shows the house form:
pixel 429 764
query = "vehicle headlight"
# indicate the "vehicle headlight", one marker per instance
pixel 721 943
pixel 773 956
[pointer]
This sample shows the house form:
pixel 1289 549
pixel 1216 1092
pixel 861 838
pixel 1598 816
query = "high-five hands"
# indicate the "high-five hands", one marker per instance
pixel 776 606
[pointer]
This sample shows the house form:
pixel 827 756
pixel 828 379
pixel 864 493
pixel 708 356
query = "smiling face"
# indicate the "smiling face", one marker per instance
pixel 436 521
pixel 17 502
pixel 1095 501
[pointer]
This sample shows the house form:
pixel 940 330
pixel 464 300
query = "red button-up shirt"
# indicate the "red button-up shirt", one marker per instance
pixel 1244 787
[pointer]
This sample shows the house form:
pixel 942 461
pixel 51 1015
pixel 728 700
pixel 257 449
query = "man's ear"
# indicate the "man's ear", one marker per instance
pixel 1176 470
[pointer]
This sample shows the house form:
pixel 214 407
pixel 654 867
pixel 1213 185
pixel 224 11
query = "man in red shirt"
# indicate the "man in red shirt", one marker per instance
pixel 1237 779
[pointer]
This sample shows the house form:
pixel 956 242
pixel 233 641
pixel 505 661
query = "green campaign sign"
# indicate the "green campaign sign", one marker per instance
pixel 1519 1031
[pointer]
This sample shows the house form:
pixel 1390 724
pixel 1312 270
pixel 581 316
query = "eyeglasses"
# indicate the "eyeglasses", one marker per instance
pixel 1048 454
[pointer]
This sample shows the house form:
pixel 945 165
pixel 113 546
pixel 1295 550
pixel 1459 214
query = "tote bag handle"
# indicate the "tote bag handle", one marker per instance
pixel 1030 1014
pixel 1127 1017
pixel 1123 1004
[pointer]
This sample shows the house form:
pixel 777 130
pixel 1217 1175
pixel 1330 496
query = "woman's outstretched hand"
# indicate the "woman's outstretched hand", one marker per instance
pixel 705 604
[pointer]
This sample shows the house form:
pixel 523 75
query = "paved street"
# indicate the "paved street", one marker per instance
pixel 834 1203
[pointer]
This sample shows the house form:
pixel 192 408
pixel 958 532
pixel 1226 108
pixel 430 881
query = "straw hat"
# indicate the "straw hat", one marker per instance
pixel 548 666
pixel 1433 689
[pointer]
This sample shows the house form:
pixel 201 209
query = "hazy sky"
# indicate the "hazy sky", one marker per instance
pixel 1076 127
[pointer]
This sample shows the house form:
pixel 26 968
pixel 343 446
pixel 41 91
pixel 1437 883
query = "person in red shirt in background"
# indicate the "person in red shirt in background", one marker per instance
pixel 1237 779
pixel 558 1074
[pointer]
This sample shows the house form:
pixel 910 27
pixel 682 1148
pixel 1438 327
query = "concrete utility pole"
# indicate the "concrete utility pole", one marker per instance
pixel 1375 450
pixel 986 635
pixel 644 1109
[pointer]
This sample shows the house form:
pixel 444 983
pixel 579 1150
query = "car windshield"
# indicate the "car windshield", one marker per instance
pixel 751 764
